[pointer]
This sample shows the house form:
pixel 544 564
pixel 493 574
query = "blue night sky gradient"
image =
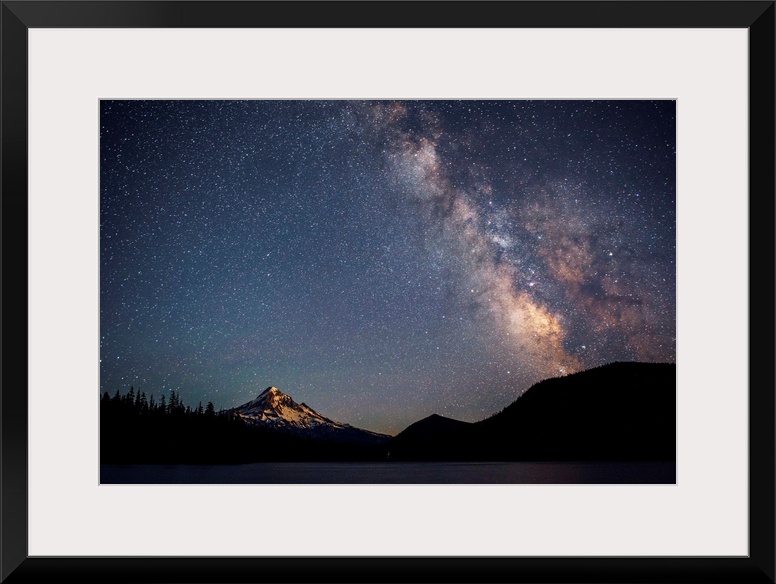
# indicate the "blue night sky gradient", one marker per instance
pixel 382 261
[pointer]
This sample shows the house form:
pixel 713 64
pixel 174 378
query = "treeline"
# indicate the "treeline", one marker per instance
pixel 136 428
pixel 138 404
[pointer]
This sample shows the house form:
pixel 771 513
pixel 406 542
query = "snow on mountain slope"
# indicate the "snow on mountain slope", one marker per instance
pixel 273 408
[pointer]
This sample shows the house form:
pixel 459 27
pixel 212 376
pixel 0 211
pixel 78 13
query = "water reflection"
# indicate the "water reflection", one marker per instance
pixel 394 473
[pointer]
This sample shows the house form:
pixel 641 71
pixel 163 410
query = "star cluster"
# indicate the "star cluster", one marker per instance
pixel 382 260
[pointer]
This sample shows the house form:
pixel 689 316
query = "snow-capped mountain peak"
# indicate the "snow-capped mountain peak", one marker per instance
pixel 274 409
pixel 271 390
pixel 273 397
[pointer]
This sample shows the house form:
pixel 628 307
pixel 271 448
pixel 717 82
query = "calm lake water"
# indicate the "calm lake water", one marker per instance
pixel 393 473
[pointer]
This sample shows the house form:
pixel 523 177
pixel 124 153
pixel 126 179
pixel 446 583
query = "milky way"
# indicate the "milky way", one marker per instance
pixel 382 260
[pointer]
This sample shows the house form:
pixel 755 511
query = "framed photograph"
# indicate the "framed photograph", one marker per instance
pixel 478 298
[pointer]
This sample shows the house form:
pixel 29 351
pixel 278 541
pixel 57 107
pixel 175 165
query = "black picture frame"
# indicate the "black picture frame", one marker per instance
pixel 18 16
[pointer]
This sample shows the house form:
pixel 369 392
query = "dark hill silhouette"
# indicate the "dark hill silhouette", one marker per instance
pixel 621 411
pixel 434 437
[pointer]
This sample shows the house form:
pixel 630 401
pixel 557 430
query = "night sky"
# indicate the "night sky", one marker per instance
pixel 382 261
